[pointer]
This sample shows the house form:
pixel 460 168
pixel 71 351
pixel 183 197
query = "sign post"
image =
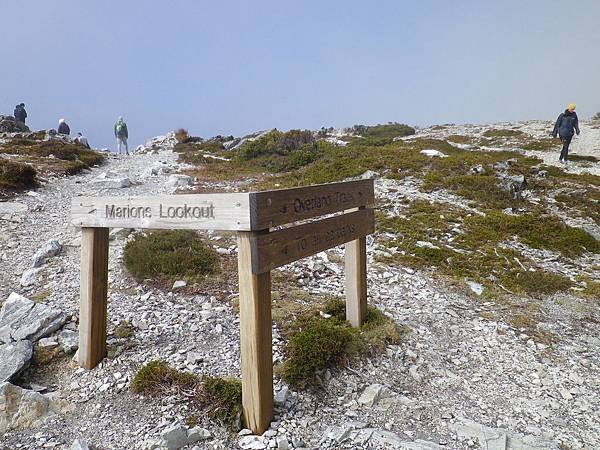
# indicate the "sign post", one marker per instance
pixel 260 250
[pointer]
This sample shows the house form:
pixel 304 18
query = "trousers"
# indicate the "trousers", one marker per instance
pixel 566 140
pixel 121 141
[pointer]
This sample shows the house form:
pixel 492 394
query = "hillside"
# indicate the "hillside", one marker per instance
pixel 486 258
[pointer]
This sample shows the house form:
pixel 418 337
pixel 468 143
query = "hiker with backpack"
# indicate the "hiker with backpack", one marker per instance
pixel 20 113
pixel 121 134
pixel 566 126
pixel 81 139
pixel 63 127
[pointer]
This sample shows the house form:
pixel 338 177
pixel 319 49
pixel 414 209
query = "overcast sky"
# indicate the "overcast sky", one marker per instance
pixel 232 67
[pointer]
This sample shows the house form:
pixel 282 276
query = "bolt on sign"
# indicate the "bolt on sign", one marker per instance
pixel 269 236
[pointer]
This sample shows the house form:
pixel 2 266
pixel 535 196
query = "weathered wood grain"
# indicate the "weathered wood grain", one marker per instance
pixel 281 247
pixel 93 293
pixel 273 208
pixel 255 339
pixel 188 211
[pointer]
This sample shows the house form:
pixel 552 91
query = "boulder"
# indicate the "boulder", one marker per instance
pixel 372 394
pixel 20 318
pixel 68 340
pixel 433 153
pixel 176 180
pixel 12 208
pixel 174 436
pixel 21 408
pixel 79 444
pixel 48 250
pixel 30 277
pixel 8 124
pixel 110 181
pixel 14 358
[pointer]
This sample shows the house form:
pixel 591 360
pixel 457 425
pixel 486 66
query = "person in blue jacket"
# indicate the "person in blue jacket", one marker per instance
pixel 566 126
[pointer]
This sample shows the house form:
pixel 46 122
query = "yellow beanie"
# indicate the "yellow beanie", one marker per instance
pixel 571 106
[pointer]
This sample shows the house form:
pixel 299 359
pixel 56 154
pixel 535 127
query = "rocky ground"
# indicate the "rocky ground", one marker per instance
pixel 461 379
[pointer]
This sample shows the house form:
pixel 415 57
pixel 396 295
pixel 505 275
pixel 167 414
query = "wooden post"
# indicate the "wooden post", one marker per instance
pixel 356 281
pixel 93 292
pixel 255 339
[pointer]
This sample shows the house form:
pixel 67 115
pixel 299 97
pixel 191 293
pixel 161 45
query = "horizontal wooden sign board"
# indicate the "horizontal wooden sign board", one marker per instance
pixel 281 247
pixel 273 208
pixel 189 211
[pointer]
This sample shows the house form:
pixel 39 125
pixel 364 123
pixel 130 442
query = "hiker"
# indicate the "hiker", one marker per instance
pixel 566 126
pixel 63 128
pixel 20 113
pixel 82 140
pixel 121 134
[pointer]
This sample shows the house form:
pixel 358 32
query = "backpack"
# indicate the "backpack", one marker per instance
pixel 120 127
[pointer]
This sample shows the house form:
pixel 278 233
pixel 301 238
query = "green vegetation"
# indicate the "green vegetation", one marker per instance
pixel 493 133
pixel 192 152
pixel 584 202
pixel 583 158
pixel 124 330
pixel 470 247
pixel 169 255
pixel 459 139
pixel 388 131
pixel 220 398
pixel 59 149
pixel 317 341
pixel 596 116
pixel 16 175
pixel 540 144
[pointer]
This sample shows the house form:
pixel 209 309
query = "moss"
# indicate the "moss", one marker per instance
pixel 15 175
pixel 502 133
pixel 316 342
pixel 591 289
pixel 124 330
pixel 170 255
pixel 157 377
pixel 528 323
pixel 222 398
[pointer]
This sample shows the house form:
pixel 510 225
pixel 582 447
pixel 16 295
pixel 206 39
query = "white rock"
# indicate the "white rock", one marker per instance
pixel 174 436
pixel 198 434
pixel 79 444
pixel 177 180
pixel 283 444
pixel 48 250
pixel 68 340
pixel 179 284
pixel 14 358
pixel 30 277
pixel 371 394
pixel 475 287
pixel 432 153
pixel 21 408
pixel 425 244
pixel 282 395
pixel 251 442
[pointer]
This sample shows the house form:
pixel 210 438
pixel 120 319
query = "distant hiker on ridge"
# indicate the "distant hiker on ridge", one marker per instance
pixel 121 134
pixel 20 113
pixel 566 126
pixel 82 140
pixel 63 128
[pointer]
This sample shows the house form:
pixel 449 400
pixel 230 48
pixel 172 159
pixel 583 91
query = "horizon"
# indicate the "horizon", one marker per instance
pixel 238 68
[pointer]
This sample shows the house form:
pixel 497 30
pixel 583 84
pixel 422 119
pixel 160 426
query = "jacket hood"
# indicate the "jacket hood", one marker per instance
pixel 570 113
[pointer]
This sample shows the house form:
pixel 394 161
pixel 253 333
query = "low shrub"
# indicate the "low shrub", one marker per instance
pixel 16 175
pixel 316 342
pixel 494 132
pixel 220 398
pixel 390 130
pixel 170 255
pixel 275 143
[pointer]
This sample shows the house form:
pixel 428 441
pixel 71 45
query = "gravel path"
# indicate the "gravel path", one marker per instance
pixel 453 368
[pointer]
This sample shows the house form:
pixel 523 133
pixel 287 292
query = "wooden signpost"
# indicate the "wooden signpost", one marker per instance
pixel 260 249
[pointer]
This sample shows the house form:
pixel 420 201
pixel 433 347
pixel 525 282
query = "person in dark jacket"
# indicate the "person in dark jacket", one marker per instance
pixel 20 113
pixel 63 127
pixel 566 126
